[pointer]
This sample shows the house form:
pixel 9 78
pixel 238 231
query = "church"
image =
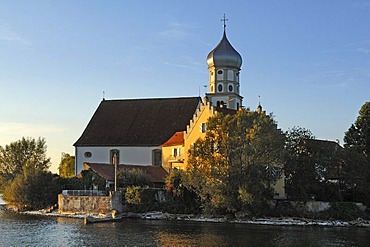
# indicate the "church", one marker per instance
pixel 160 131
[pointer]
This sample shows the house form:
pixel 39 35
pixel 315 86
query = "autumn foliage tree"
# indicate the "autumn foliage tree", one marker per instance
pixel 232 168
pixel 67 166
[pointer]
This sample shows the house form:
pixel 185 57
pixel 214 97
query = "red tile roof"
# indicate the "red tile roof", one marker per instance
pixel 138 122
pixel 176 139
pixel 154 174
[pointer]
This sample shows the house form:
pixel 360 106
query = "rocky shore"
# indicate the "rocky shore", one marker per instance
pixel 283 221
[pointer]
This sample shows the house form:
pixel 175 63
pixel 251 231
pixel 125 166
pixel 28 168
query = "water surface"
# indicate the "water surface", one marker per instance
pixel 25 230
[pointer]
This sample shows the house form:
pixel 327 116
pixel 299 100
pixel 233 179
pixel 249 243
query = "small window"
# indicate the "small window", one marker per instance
pixel 230 88
pixel 203 127
pixel 88 154
pixel 219 87
pixel 176 152
pixel 219 72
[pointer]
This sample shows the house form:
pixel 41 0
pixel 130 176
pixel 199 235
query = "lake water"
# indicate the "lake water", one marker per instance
pixel 25 230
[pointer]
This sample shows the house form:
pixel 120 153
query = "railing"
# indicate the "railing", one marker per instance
pixel 84 193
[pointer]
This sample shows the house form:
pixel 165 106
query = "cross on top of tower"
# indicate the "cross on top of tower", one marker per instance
pixel 224 20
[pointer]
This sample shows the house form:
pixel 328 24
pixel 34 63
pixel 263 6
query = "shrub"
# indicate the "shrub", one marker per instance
pixel 33 190
pixel 343 211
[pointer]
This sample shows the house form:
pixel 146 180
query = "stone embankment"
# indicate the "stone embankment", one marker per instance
pixel 284 221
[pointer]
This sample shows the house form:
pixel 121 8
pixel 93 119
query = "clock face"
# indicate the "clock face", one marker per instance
pixel 219 87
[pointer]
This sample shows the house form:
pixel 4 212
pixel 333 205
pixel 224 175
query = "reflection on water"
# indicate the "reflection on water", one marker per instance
pixel 21 230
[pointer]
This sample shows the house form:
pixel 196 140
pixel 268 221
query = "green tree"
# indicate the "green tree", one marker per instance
pixel 357 139
pixel 358 135
pixel 231 168
pixel 180 198
pixel 300 174
pixel 22 155
pixel 34 189
pixel 131 177
pixel 67 166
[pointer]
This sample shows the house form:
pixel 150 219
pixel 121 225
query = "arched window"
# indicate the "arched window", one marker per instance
pixel 219 87
pixel 156 157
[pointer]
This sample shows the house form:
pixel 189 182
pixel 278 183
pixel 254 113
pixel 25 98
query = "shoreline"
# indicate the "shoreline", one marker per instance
pixel 270 221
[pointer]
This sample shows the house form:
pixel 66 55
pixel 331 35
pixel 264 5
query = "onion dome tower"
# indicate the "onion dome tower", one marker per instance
pixel 224 64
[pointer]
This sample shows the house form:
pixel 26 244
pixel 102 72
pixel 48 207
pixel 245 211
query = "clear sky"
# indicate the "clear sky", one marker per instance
pixel 308 60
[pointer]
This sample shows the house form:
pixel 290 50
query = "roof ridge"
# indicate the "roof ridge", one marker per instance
pixel 136 99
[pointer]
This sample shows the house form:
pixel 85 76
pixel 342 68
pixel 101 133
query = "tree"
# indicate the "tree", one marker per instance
pixel 181 199
pixel 22 155
pixel 358 135
pixel 67 166
pixel 231 168
pixel 300 174
pixel 34 189
pixel 131 177
pixel 357 139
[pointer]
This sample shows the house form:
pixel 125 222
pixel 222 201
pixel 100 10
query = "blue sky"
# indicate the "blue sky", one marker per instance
pixel 308 60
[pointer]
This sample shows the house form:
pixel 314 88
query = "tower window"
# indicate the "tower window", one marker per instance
pixel 219 87
pixel 230 88
pixel 220 72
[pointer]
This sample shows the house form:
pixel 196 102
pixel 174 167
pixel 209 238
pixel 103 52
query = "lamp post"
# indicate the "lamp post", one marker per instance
pixel 115 171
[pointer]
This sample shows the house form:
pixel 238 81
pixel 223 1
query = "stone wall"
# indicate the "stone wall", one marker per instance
pixel 84 204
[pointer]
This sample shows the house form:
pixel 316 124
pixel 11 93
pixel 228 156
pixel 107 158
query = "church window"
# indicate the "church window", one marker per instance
pixel 220 72
pixel 230 88
pixel 87 154
pixel 237 105
pixel 219 87
pixel 114 152
pixel 156 157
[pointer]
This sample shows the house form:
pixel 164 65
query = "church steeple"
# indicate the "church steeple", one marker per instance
pixel 224 64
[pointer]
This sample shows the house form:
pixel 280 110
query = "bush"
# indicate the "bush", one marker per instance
pixel 343 211
pixel 141 200
pixel 33 190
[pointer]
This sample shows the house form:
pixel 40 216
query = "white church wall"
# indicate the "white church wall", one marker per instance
pixel 127 155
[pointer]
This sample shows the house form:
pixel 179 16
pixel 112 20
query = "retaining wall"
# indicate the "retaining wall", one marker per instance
pixel 84 204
